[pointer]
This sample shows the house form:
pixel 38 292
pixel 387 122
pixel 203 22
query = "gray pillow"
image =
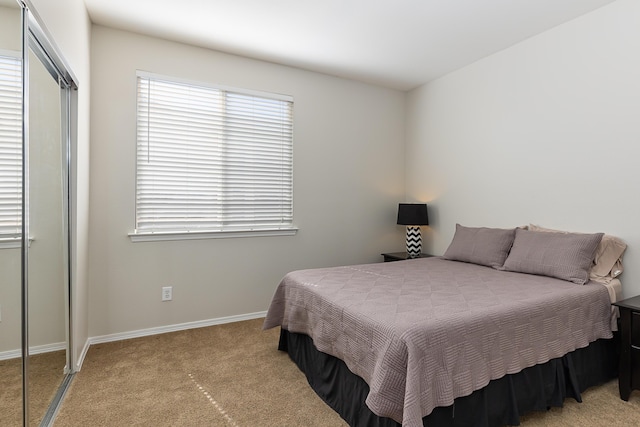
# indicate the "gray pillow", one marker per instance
pixel 566 256
pixel 484 246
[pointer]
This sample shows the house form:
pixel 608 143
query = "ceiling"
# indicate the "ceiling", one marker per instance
pixel 399 44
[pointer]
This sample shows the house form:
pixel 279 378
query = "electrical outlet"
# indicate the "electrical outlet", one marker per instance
pixel 167 293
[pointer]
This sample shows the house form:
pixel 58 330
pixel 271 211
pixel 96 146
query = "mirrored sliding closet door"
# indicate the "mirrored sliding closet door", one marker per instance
pixel 35 147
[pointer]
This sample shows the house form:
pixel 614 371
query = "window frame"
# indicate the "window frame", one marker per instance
pixel 145 235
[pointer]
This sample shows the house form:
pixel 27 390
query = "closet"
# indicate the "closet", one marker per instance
pixel 37 114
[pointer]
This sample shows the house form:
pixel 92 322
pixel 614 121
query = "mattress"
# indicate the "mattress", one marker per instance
pixel 424 332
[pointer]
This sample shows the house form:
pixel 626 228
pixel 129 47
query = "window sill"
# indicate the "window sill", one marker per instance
pixel 12 242
pixel 198 235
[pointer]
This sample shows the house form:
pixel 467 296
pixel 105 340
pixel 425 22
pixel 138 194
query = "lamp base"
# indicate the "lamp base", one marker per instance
pixel 414 241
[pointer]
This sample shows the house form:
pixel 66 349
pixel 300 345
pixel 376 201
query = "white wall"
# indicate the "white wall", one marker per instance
pixel 348 179
pixel 10 37
pixel 547 132
pixel 68 23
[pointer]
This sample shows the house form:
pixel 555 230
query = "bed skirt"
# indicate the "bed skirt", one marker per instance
pixel 500 403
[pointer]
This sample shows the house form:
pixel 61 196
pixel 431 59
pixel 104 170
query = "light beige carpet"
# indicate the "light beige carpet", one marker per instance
pixel 46 372
pixel 11 392
pixel 233 375
pixel 226 375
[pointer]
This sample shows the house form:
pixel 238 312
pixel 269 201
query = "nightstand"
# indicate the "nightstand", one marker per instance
pixel 400 256
pixel 629 369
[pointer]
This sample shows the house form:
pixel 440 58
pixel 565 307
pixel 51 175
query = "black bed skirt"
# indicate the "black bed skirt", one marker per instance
pixel 500 403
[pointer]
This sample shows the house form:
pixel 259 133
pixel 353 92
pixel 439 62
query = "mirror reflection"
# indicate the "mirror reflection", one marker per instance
pixel 10 213
pixel 47 269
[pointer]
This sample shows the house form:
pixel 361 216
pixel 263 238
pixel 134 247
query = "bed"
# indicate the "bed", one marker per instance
pixel 507 321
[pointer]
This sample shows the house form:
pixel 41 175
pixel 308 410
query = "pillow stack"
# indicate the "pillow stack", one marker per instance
pixel 533 250
pixel 607 263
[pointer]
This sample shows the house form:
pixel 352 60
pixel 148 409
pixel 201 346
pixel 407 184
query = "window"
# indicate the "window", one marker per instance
pixel 212 160
pixel 10 148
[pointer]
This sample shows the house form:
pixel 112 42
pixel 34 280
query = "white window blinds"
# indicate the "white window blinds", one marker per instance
pixel 10 146
pixel 212 159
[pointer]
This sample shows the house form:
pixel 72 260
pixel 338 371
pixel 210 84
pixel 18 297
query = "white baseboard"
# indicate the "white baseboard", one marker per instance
pixel 162 330
pixel 38 349
pixel 80 359
pixel 10 354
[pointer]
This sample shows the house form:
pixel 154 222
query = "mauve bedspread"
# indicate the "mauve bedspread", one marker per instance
pixel 423 332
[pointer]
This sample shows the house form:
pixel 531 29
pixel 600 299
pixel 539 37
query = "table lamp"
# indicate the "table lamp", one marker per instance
pixel 413 215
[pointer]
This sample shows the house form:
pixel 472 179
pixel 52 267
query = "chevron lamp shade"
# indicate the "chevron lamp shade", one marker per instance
pixel 413 215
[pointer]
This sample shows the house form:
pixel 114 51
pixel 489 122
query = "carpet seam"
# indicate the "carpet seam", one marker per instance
pixel 216 405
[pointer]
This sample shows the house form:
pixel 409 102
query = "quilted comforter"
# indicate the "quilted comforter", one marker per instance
pixel 426 331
